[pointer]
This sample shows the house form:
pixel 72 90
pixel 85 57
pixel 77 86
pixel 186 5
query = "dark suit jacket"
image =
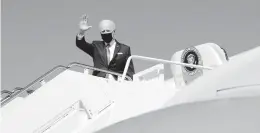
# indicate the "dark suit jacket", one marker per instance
pixel 97 51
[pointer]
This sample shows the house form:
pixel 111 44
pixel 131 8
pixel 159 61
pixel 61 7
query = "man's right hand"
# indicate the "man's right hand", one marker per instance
pixel 83 25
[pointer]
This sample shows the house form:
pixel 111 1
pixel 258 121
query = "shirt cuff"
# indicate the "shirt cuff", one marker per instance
pixel 80 36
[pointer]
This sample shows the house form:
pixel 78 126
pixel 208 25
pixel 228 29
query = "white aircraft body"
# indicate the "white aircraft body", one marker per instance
pixel 209 93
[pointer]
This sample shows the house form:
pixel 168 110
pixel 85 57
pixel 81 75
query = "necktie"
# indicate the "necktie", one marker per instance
pixel 108 53
pixel 108 61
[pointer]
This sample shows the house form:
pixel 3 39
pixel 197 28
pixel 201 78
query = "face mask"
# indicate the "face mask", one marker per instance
pixel 107 37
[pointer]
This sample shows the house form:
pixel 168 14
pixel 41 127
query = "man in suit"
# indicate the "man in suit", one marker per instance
pixel 108 54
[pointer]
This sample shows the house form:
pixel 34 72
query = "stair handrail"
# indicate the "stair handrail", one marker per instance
pixel 9 93
pixel 15 92
pixel 160 61
pixel 97 69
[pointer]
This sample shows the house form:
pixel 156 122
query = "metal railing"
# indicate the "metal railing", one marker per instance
pixel 160 61
pixel 97 69
pixel 17 91
pixel 9 93
pixel 6 91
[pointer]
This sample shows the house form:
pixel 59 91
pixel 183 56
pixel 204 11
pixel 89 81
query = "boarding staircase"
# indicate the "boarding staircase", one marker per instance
pixel 72 100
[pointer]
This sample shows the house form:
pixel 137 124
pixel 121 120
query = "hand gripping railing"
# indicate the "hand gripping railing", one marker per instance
pixel 17 91
pixel 160 61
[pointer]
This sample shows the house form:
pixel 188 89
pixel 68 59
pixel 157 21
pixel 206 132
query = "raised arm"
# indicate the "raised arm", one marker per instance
pixel 80 39
pixel 84 46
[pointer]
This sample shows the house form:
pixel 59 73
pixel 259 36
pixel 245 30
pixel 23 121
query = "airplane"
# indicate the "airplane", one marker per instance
pixel 209 92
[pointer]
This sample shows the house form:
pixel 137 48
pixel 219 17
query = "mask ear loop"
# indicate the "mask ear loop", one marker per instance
pixel 114 34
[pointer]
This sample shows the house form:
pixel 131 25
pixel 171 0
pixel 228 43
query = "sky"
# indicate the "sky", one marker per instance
pixel 38 35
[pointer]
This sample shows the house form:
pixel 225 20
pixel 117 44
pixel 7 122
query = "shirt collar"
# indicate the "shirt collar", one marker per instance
pixel 111 43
